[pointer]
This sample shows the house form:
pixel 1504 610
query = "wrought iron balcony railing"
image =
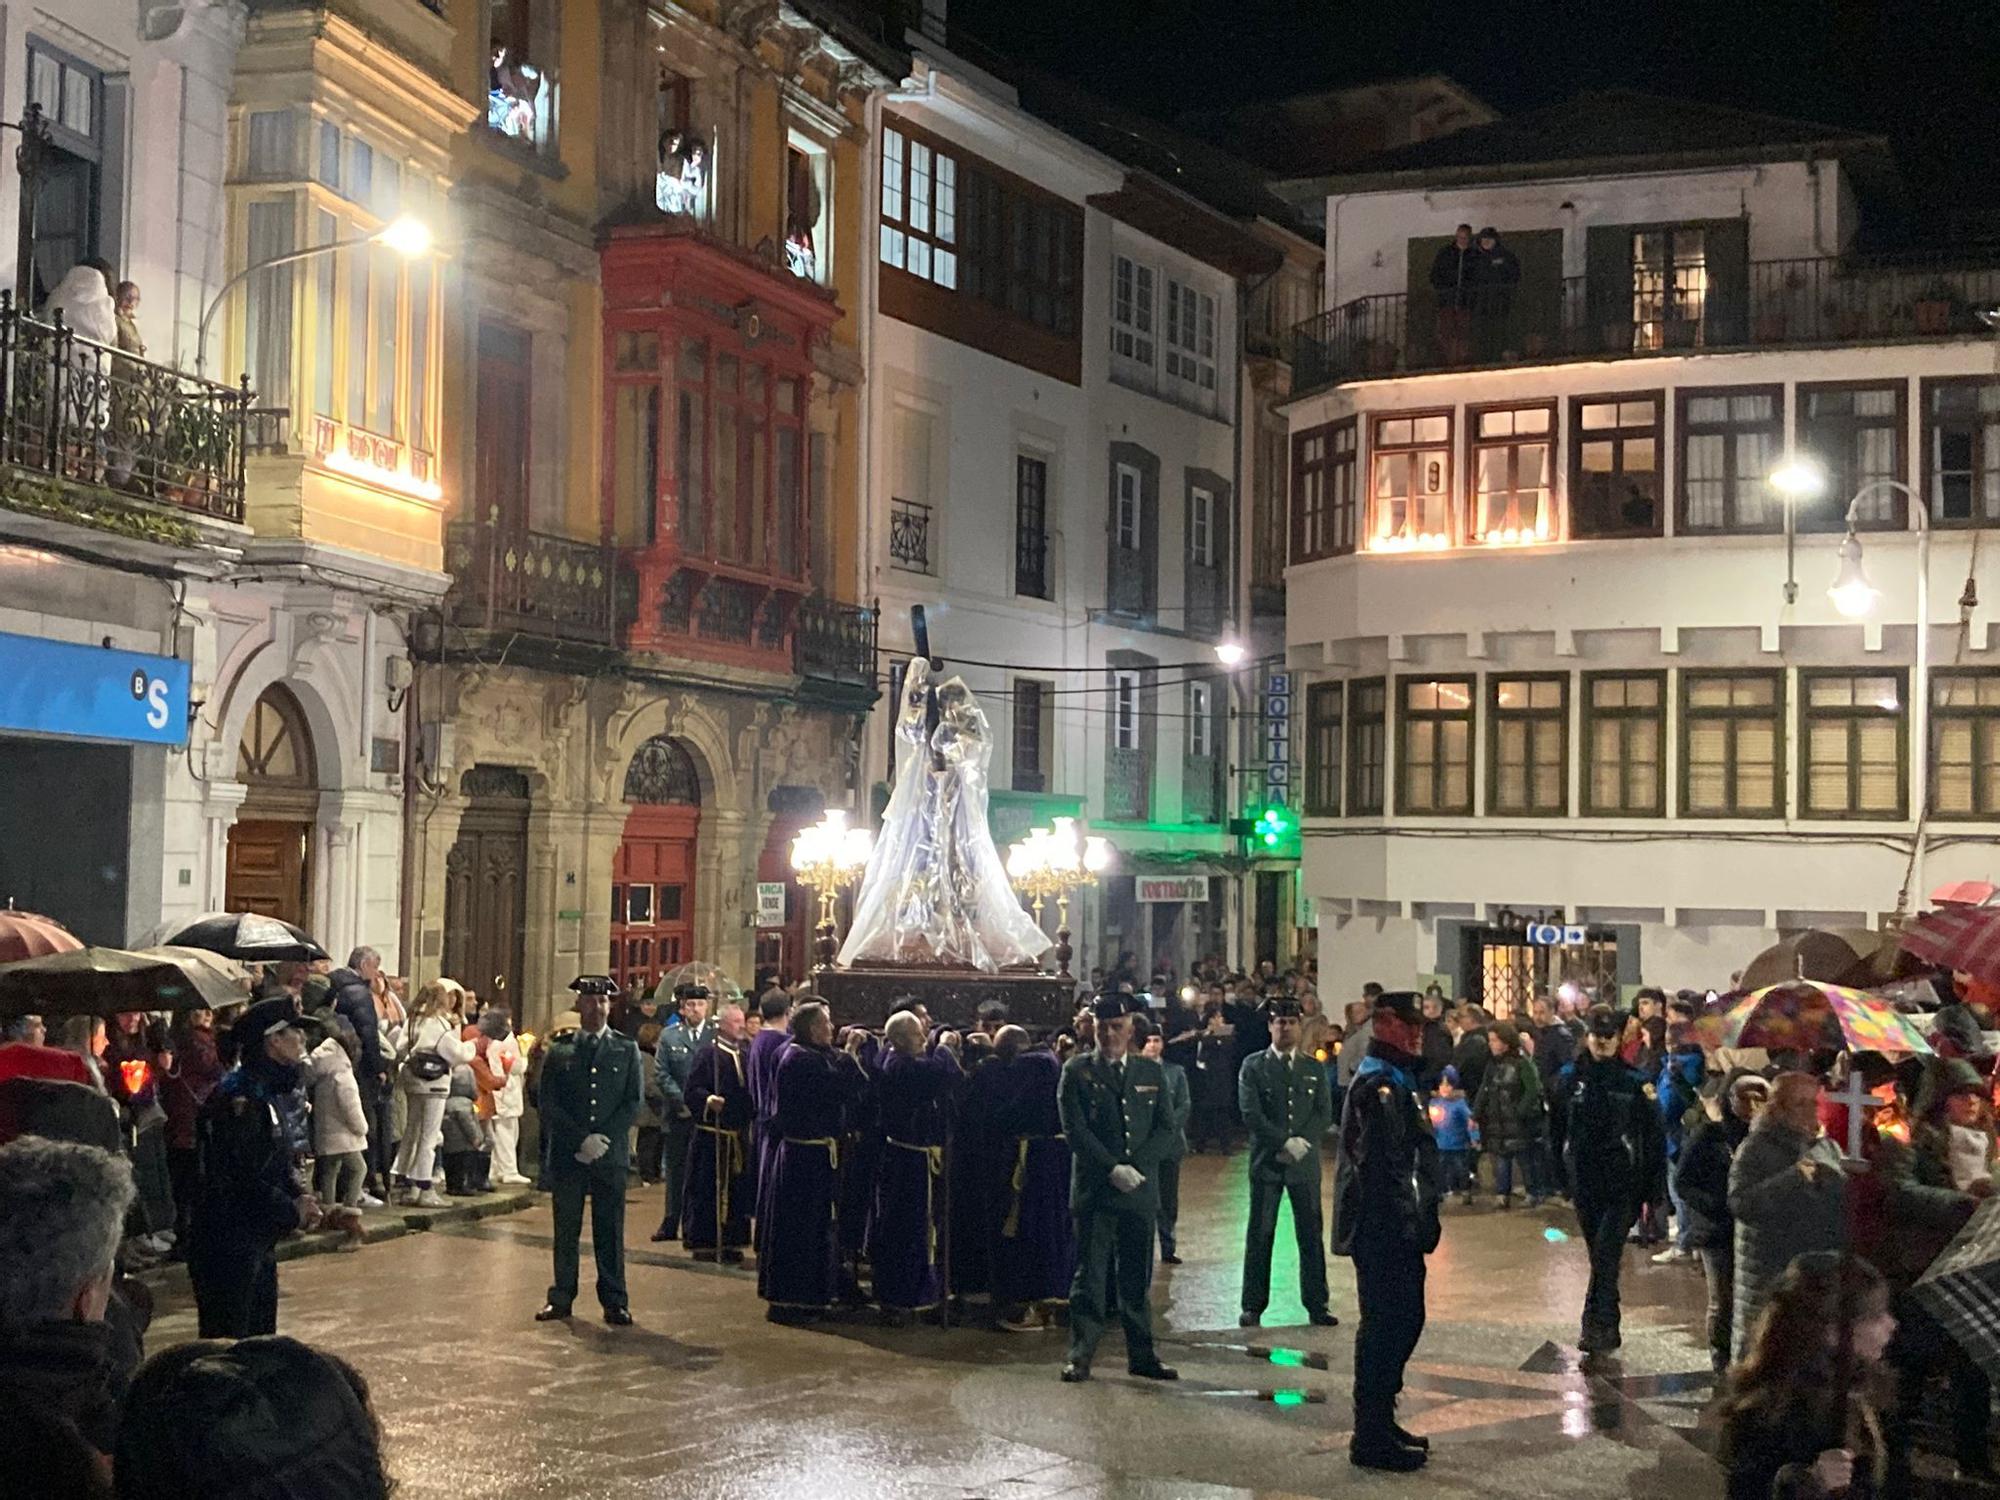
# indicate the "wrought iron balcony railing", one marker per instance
pixel 1776 303
pixel 85 412
pixel 835 642
pixel 512 579
pixel 910 535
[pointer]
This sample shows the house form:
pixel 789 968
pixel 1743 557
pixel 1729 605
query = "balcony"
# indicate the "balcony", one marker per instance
pixel 833 651
pixel 1128 778
pixel 83 412
pixel 547 587
pixel 910 535
pixel 1796 303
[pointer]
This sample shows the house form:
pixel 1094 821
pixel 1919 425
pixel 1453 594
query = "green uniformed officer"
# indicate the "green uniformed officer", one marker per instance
pixel 1115 1112
pixel 1287 1108
pixel 589 1098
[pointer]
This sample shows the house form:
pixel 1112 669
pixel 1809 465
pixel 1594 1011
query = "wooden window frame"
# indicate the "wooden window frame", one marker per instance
pixel 1831 515
pixel 1325 730
pixel 1852 717
pixel 1496 716
pixel 1985 726
pixel 1590 715
pixel 1331 510
pixel 1200 716
pixel 1620 436
pixel 1682 432
pixel 1031 531
pixel 1124 726
pixel 1407 717
pixel 1928 471
pixel 1448 446
pixel 1355 725
pixel 1141 331
pixel 1469 501
pixel 1778 711
pixel 1038 691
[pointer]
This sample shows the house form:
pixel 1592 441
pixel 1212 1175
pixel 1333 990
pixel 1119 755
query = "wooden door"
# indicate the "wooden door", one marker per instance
pixel 486 893
pixel 267 865
pixel 500 456
pixel 652 894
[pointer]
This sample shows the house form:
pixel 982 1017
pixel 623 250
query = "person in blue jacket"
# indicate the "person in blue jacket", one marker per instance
pixel 1682 1072
pixel 1457 1138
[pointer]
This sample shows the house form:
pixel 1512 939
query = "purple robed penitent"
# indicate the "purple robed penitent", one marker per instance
pixel 1034 1238
pixel 798 1257
pixel 913 1099
pixel 760 1074
pixel 717 1198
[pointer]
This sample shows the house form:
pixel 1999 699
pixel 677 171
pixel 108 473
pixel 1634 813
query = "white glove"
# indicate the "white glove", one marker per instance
pixel 1125 1178
pixel 593 1147
pixel 1295 1149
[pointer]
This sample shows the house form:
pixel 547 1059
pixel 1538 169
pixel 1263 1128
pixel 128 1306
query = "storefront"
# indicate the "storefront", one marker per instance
pixel 1503 964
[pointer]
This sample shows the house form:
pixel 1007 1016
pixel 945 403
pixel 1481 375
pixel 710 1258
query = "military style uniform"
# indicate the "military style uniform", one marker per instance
pixel 1284 1096
pixel 590 1085
pixel 674 1055
pixel 1606 1131
pixel 1115 1114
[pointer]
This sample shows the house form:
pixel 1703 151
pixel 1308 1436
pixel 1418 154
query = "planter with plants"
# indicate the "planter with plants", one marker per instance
pixel 1935 307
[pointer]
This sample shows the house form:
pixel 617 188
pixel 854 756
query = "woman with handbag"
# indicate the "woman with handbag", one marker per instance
pixel 437 1017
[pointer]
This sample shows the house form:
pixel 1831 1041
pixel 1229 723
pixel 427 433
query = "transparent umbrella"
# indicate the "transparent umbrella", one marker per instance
pixel 719 985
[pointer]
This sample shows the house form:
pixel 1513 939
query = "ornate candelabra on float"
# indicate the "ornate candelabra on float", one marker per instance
pixel 828 857
pixel 1054 862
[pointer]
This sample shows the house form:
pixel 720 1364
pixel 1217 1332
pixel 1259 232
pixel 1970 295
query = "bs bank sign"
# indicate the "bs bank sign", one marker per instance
pixel 54 687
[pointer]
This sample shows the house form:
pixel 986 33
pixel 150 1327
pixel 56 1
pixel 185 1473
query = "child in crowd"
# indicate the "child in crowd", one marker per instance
pixel 466 1162
pixel 339 1122
pixel 1457 1138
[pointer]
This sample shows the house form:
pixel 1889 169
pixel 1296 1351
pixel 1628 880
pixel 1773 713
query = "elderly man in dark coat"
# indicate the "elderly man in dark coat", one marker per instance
pixel 1788 1192
pixel 798 1257
pixel 913 1097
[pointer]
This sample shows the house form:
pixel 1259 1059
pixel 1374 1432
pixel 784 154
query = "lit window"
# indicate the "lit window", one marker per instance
pixel 1513 466
pixel 1412 468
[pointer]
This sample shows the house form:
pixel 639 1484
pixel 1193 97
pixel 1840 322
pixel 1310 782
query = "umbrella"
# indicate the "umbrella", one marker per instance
pixel 1965 893
pixel 105 981
pixel 1962 938
pixel 719 985
pixel 1803 1015
pixel 1962 1287
pixel 248 935
pixel 1853 956
pixel 24 934
pixel 228 970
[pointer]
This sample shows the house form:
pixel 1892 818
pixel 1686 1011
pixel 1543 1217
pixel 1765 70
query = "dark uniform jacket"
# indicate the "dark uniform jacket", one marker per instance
pixel 1605 1128
pixel 1385 1194
pixel 591 1089
pixel 1109 1125
pixel 1279 1103
pixel 674 1056
pixel 1180 1104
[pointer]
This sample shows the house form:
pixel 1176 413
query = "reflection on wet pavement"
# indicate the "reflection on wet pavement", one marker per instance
pixel 704 1398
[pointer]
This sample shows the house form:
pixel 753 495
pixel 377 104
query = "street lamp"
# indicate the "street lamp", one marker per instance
pixel 1053 862
pixel 1796 479
pixel 407 236
pixel 1231 652
pixel 828 857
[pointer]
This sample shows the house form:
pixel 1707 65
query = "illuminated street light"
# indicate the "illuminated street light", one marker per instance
pixel 408 237
pixel 828 857
pixel 1231 653
pixel 1852 594
pixel 1053 862
pixel 1797 479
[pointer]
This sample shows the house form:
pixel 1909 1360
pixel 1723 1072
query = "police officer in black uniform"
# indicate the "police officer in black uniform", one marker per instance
pixel 590 1089
pixel 1385 1207
pixel 1604 1125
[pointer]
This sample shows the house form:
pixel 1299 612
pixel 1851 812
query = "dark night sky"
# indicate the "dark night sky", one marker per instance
pixel 1924 72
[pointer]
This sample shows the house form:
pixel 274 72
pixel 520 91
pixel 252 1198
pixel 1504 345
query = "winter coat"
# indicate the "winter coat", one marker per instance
pixel 85 303
pixel 354 1001
pixel 439 1033
pixel 1781 1213
pixel 1768 1454
pixel 1701 1177
pixel 1606 1132
pixel 1555 1049
pixel 1454 273
pixel 339 1123
pixel 1451 1119
pixel 1509 1106
pixel 196 1071
pixel 65 1375
pixel 499 1072
pixel 462 1130
pixel 1385 1181
pixel 1472 1057
pixel 1436 1056
pixel 1679 1088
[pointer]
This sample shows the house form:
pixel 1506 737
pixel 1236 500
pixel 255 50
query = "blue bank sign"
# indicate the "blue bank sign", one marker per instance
pixel 54 687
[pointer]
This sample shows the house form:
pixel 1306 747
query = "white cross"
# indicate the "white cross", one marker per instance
pixel 1856 1097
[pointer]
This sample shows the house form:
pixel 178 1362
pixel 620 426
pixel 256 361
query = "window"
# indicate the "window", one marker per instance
pixel 1962 451
pixel 1965 731
pixel 1031 527
pixel 1031 728
pixel 1732 725
pixel 1367 746
pixel 1729 440
pixel 1529 749
pixel 808 228
pixel 1614 486
pixel 1132 311
pixel 1128 506
pixel 1855 432
pixel 1190 338
pixel 1412 459
pixel 77 213
pixel 1513 471
pixel 1323 747
pixel 271 150
pixel 1125 710
pixel 920 210
pixel 1434 722
pixel 1669 287
pixel 1323 517
pixel 1201 527
pixel 267 336
pixel 1852 744
pixel 1624 744
pixel 910 541
pixel 1200 719
pixel 520 91
pixel 684 171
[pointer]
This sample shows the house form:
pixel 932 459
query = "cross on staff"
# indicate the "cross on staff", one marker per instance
pixel 1857 1098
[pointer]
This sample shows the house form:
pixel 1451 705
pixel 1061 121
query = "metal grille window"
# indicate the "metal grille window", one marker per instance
pixel 1529 750
pixel 1513 474
pixel 1323 747
pixel 1614 487
pixel 1434 725
pixel 1367 746
pixel 1965 734
pixel 1962 451
pixel 1854 742
pixel 1729 440
pixel 1855 432
pixel 1732 733
pixel 1031 527
pixel 1624 745
pixel 1030 730
pixel 1323 495
pixel 1412 467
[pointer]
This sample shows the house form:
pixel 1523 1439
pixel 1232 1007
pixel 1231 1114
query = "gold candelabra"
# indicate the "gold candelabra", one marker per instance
pixel 828 857
pixel 1054 862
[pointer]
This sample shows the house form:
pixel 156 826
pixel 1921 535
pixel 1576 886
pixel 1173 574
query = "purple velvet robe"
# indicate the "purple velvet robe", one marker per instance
pixel 1034 1238
pixel 760 1070
pixel 798 1260
pixel 913 1103
pixel 716 1201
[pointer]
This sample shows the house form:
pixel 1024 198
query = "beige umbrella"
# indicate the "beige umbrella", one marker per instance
pixel 107 981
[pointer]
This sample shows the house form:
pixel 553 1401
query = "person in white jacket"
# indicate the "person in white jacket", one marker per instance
pixel 437 1017
pixel 339 1125
pixel 502 1074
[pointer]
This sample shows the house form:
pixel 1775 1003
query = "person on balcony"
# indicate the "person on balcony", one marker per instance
pixel 1496 271
pixel 1453 278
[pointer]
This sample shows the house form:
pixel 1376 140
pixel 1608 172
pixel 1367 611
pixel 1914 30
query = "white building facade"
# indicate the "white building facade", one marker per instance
pixel 1559 720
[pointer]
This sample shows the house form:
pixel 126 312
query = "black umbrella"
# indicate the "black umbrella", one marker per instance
pixel 106 981
pixel 245 935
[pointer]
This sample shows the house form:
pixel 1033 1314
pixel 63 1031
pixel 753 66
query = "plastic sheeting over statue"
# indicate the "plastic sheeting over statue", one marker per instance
pixel 935 890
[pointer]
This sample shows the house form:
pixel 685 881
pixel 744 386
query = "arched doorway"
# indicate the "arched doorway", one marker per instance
pixel 652 879
pixel 270 845
pixel 784 935
pixel 486 886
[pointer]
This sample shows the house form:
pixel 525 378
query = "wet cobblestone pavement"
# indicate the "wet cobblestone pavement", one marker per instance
pixel 704 1398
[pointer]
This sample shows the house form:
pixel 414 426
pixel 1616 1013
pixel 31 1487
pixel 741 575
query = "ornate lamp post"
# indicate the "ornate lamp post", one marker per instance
pixel 828 857
pixel 1054 862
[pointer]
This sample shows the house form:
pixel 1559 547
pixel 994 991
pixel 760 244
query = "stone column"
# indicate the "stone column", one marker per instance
pixel 437 831
pixel 219 805
pixel 725 893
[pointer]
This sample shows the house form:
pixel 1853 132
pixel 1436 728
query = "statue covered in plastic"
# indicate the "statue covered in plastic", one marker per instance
pixel 936 890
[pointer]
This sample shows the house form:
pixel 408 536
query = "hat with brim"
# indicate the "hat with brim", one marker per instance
pixel 1406 1004
pixel 594 984
pixel 1112 1004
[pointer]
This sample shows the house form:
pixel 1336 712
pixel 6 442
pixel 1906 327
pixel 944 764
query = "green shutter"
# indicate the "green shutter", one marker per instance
pixel 1608 286
pixel 1726 247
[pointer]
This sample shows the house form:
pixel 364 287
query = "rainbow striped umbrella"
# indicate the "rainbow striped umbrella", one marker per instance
pixel 1804 1015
